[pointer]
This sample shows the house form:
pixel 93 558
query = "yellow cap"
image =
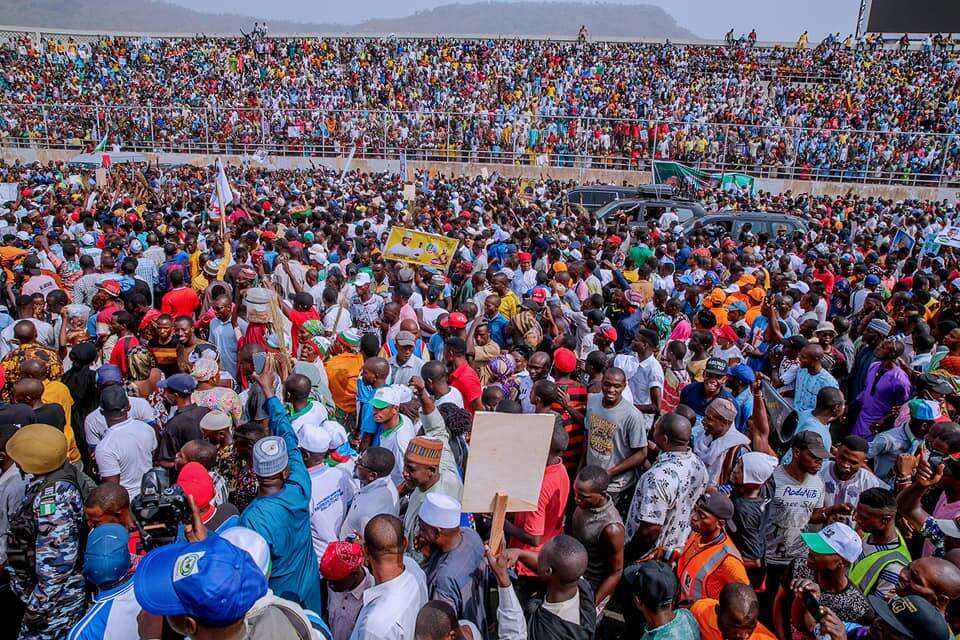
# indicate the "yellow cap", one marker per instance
pixel 38 448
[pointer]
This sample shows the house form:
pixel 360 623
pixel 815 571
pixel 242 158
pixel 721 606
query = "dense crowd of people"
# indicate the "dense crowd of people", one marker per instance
pixel 834 111
pixel 247 422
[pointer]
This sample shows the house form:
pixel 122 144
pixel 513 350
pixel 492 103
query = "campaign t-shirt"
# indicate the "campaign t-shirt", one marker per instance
pixel 791 505
pixel 613 435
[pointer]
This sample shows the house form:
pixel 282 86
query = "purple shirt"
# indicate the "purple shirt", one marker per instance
pixel 892 389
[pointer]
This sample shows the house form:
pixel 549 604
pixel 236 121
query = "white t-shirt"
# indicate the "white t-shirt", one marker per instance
pixel 838 491
pixel 453 396
pixel 331 491
pixel 95 425
pixel 127 451
pixel 568 610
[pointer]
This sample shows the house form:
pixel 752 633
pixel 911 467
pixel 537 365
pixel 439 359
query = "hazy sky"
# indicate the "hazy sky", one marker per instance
pixel 774 19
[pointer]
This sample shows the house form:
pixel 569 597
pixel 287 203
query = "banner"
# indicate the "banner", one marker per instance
pixel 416 247
pixel 668 172
pixel 950 236
pixel 903 241
pixel 734 181
pixel 9 191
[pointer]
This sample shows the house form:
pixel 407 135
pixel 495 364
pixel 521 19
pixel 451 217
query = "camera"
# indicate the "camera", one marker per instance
pixel 159 510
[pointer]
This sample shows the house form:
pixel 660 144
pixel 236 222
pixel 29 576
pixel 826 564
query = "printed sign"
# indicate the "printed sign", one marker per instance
pixel 949 236
pixel 415 247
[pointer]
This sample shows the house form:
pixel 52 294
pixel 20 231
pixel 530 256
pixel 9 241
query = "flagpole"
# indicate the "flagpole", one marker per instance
pixel 220 203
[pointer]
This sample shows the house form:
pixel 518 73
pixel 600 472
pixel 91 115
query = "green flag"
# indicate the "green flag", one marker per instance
pixel 665 171
pixel 102 146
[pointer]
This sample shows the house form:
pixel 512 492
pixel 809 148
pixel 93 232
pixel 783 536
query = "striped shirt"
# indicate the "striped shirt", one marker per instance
pixel 113 616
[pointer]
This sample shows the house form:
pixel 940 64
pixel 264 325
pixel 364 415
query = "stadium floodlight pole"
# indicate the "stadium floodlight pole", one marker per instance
pixel 861 15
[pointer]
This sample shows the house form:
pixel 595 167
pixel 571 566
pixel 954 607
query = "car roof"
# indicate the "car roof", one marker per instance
pixel 752 215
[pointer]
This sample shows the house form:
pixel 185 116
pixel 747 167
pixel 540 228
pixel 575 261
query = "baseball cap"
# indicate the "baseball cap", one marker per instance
pixel 655 583
pixel 455 320
pixel 314 438
pixel 716 366
pixel 109 374
pixel 196 482
pixel 564 360
pixel 812 442
pixel 362 279
pixel 912 617
pixel 717 504
pixel 114 399
pixel 539 295
pixel 391 396
pixel 921 409
pixel 405 339
pixel 741 372
pixel 182 383
pixel 871 280
pixel 836 538
pixel 212 581
pixel 107 557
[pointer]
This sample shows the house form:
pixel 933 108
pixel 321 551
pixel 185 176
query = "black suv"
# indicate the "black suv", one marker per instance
pixel 593 197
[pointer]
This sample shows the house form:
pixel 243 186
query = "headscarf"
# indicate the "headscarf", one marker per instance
pixel 502 370
pixel 140 362
pixel 205 369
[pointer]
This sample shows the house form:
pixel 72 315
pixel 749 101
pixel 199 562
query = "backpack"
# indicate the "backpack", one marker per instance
pixel 277 622
pixel 22 535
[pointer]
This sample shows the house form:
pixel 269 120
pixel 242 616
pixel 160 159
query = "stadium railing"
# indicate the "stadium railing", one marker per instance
pixel 789 153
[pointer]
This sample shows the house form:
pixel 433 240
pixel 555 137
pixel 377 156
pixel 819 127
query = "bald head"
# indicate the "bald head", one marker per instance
pixel 378 367
pixel 934 579
pixel 383 535
pixel 24 332
pixel 34 369
pixel 298 387
pixel 410 325
pixel 110 497
pixel 28 391
pixel 435 621
pixel 674 429
pixel 737 608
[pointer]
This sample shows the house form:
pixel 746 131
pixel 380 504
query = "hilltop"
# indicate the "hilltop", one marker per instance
pixel 561 19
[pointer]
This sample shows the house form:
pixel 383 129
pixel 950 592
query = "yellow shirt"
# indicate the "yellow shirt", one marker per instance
pixel 55 392
pixel 509 304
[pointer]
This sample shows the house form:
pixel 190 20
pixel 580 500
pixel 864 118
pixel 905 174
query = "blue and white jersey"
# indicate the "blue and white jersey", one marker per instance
pixel 113 616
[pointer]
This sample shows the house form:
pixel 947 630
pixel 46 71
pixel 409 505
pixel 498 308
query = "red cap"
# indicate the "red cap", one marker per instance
pixel 455 320
pixel 726 331
pixel 539 295
pixel 196 482
pixel 564 360
pixel 340 559
pixel 110 286
pixel 268 235
pixel 132 217
pixel 615 239
pixel 524 256
pixel 609 333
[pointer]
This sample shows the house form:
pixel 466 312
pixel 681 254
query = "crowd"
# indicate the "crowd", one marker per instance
pixel 752 435
pixel 835 111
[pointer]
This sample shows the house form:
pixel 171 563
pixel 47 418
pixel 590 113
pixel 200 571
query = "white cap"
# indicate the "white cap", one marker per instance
pixel 362 279
pixel 835 538
pixel 394 395
pixel 87 240
pixel 802 286
pixel 313 438
pixel 251 542
pixel 440 511
pixel 757 467
pixel 338 435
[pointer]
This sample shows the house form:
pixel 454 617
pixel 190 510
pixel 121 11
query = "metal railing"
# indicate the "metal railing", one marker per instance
pixel 854 156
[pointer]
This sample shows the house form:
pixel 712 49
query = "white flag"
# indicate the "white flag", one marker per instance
pixel 346 165
pixel 222 195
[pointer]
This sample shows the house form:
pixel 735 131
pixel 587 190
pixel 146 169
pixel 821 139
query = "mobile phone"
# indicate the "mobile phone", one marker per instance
pixel 259 361
pixel 812 605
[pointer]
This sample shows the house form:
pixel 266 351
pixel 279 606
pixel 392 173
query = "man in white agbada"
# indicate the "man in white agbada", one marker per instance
pixel 720 444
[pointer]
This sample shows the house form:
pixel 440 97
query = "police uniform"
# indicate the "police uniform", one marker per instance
pixel 50 584
pixel 47 534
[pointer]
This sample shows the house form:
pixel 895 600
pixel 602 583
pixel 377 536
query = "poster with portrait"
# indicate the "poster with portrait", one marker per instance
pixel 416 247
pixel 949 236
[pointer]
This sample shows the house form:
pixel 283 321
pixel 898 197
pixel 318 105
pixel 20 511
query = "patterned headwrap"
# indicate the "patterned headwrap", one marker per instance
pixel 205 369
pixel 140 361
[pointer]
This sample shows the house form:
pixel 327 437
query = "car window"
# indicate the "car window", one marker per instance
pixel 683 214
pixel 718 227
pixel 575 197
pixel 781 228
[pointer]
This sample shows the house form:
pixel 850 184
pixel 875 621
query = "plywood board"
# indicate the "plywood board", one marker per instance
pixel 508 453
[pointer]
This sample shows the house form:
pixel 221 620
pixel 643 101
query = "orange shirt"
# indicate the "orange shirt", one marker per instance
pixel 342 372
pixel 705 611
pixel 730 570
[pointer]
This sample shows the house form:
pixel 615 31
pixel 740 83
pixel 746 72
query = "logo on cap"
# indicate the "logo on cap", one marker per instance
pixel 271 448
pixel 187 565
pixel 899 605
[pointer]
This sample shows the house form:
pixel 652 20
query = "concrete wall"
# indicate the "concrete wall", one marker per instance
pixel 581 175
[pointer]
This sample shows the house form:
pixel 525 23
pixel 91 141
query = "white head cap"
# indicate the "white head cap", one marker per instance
pixel 440 511
pixel 313 438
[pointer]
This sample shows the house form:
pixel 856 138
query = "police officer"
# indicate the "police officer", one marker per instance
pixel 45 541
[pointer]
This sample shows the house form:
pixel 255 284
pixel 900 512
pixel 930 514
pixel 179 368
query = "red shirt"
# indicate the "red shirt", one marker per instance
pixel 827 278
pixel 180 302
pixel 547 520
pixel 467 382
pixel 297 318
pixel 104 315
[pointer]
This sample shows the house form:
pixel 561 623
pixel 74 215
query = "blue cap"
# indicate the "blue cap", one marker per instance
pixel 182 383
pixel 212 581
pixel 871 280
pixel 686 279
pixel 741 372
pixel 107 557
pixel 108 374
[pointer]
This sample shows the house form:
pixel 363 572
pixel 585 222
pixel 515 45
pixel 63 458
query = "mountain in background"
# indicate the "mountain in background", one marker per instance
pixel 492 18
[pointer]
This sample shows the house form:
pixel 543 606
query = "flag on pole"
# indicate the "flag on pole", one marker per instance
pixel 102 145
pixel 403 167
pixel 222 195
pixel 346 165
